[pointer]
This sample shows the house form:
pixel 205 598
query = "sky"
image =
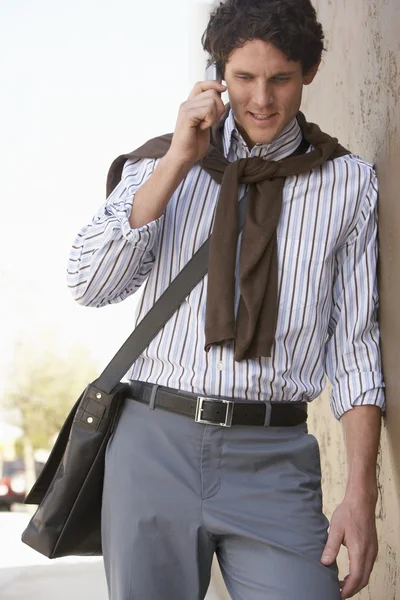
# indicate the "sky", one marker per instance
pixel 82 82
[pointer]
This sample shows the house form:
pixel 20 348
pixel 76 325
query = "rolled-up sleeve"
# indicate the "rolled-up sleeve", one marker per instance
pixel 353 356
pixel 109 260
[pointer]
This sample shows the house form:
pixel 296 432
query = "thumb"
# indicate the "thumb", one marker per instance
pixel 332 546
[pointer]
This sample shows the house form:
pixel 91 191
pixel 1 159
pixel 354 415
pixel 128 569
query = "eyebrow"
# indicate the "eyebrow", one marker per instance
pixel 280 74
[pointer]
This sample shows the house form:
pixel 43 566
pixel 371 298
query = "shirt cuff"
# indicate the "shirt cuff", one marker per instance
pixel 365 388
pixel 143 237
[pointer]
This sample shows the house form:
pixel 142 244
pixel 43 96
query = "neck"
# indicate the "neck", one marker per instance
pixel 284 144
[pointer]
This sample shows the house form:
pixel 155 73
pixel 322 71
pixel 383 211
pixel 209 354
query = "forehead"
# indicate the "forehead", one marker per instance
pixel 260 57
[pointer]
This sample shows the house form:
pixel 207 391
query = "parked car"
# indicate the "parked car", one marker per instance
pixel 12 482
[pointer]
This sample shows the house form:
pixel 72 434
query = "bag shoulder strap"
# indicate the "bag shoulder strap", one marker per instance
pixel 159 314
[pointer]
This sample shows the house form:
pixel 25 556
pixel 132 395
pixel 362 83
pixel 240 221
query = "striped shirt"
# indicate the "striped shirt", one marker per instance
pixel 327 296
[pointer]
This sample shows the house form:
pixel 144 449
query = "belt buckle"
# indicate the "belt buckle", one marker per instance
pixel 199 410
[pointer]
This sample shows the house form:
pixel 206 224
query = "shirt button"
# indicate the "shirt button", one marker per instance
pixel 220 366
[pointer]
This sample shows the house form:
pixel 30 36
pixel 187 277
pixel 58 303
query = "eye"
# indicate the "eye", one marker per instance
pixel 281 79
pixel 245 77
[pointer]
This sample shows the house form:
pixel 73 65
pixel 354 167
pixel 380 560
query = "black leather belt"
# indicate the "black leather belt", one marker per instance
pixel 219 411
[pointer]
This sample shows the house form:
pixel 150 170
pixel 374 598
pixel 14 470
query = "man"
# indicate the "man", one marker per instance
pixel 178 490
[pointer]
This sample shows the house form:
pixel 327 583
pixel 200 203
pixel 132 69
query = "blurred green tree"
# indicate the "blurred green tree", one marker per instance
pixel 43 383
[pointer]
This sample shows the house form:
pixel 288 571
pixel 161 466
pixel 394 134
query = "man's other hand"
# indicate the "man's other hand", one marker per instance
pixel 353 525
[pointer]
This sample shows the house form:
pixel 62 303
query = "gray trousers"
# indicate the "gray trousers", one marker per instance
pixel 176 492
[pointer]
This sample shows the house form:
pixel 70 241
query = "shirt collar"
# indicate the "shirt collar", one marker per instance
pixel 280 148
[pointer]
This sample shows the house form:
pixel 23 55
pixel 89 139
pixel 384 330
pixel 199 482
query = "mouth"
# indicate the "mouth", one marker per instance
pixel 263 116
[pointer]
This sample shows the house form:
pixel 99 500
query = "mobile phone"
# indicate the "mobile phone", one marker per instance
pixel 212 73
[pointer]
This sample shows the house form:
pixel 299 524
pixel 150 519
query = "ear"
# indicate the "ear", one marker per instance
pixel 308 77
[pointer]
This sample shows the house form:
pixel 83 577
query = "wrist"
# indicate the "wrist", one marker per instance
pixel 362 475
pixel 365 491
pixel 177 165
pixel 152 198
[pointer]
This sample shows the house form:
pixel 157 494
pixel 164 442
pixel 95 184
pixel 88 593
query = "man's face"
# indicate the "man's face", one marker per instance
pixel 265 90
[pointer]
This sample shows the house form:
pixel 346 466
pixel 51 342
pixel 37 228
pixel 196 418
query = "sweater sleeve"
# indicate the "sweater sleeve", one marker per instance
pixel 109 260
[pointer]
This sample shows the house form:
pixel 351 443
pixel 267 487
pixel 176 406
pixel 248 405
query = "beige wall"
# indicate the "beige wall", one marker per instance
pixel 356 97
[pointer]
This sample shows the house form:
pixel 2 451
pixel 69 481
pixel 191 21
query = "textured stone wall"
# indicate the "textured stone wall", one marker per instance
pixel 356 97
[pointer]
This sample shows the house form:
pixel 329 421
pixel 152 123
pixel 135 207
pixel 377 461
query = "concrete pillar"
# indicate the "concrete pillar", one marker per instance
pixel 356 98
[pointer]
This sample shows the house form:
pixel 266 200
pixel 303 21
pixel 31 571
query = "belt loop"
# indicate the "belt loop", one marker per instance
pixel 268 410
pixel 152 402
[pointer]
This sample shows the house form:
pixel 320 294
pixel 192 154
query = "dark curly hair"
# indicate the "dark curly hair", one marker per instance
pixel 290 25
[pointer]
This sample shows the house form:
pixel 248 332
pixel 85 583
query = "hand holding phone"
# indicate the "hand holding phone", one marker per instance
pixel 196 116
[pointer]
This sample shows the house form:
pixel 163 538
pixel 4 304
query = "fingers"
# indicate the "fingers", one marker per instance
pixel 333 544
pixel 356 530
pixel 204 86
pixel 361 565
pixel 204 106
pixel 204 110
pixel 196 115
pixel 354 579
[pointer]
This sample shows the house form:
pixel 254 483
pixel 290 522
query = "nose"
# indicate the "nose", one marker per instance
pixel 263 96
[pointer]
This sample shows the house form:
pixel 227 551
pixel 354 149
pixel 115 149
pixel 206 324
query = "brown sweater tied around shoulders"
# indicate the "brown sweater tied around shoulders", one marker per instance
pixel 253 330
